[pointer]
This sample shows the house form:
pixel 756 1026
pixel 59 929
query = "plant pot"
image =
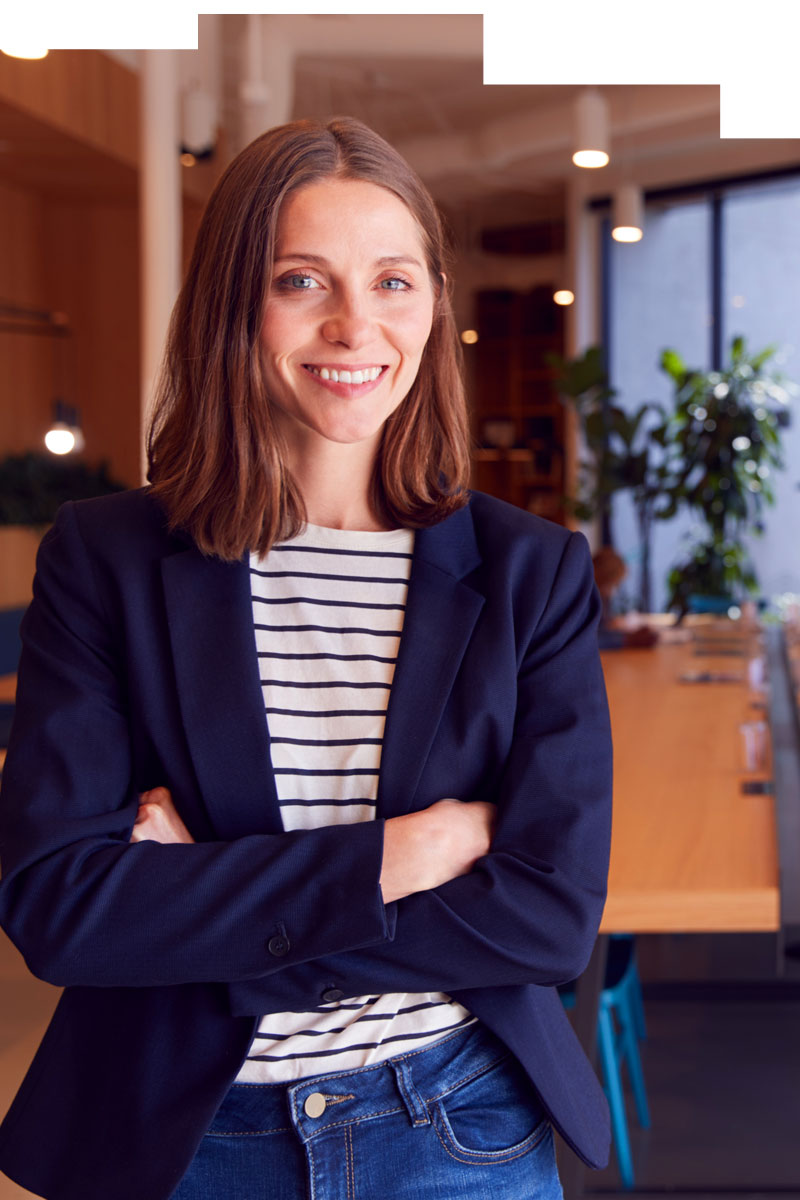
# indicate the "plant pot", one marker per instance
pixel 700 603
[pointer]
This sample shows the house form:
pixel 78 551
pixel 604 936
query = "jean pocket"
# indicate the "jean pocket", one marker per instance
pixel 493 1118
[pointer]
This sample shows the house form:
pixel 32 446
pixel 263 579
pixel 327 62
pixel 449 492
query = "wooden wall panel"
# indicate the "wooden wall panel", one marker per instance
pixel 25 359
pixel 84 93
pixel 92 274
pixel 81 259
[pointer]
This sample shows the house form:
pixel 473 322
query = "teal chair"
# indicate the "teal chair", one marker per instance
pixel 620 1026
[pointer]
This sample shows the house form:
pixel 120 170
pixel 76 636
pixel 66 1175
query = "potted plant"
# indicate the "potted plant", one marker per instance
pixel 623 451
pixel 725 445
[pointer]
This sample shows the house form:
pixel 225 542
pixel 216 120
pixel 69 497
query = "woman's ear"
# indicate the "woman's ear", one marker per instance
pixel 440 287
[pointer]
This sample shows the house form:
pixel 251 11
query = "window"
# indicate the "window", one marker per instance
pixel 725 260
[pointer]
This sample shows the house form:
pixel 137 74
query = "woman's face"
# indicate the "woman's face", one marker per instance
pixel 348 314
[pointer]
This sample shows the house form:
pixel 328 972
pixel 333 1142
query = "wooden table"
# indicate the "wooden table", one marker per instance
pixel 690 852
pixel 8 688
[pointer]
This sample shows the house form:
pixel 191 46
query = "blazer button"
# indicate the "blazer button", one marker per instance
pixel 332 994
pixel 278 946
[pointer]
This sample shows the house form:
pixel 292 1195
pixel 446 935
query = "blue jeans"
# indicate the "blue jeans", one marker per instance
pixel 458 1120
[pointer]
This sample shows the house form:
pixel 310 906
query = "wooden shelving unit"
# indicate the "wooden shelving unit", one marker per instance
pixel 518 420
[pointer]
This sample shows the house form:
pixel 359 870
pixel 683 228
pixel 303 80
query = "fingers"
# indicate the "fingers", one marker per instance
pixel 157 819
pixel 157 795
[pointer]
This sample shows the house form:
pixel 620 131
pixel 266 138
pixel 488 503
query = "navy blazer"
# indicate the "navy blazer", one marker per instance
pixel 139 669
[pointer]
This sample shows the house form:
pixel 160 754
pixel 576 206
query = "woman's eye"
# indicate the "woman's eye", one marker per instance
pixel 395 284
pixel 299 283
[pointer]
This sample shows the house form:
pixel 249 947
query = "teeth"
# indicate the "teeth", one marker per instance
pixel 368 375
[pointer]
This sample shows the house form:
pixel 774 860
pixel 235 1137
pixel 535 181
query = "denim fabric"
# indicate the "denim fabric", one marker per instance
pixel 458 1120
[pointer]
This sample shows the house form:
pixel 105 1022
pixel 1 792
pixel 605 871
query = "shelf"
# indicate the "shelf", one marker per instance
pixel 516 388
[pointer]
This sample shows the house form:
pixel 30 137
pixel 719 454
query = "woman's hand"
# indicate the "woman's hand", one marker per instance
pixel 158 819
pixel 422 850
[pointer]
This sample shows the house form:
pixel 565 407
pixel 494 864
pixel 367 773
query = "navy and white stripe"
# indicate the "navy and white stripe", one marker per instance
pixel 328 612
pixel 328 609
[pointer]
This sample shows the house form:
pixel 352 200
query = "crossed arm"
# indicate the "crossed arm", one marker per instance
pixel 421 850
pixel 524 912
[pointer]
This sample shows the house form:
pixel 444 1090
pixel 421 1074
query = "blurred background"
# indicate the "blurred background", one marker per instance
pixel 630 336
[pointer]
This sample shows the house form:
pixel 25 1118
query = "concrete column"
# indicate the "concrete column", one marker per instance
pixel 159 213
pixel 267 88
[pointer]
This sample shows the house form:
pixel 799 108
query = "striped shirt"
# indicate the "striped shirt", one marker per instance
pixel 328 609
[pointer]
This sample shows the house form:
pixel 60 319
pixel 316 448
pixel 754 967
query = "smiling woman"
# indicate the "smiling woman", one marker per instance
pixel 307 801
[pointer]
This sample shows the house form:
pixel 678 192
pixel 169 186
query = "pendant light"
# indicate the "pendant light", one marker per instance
pixel 24 49
pixel 591 129
pixel 65 434
pixel 628 214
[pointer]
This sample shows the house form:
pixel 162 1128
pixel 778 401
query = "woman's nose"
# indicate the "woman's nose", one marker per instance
pixel 348 322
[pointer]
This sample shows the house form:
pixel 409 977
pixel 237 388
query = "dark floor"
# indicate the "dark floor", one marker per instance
pixel 722 1066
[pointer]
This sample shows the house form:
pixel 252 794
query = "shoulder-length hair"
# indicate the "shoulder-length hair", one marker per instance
pixel 215 458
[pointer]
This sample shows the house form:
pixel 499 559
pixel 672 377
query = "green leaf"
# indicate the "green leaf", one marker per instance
pixel 758 360
pixel 673 364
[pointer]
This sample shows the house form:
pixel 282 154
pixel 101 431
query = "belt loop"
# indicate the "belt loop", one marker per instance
pixel 414 1103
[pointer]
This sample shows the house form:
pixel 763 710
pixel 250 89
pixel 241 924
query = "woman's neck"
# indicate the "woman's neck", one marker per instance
pixel 335 483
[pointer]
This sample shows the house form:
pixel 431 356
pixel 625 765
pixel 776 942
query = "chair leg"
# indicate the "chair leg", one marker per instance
pixel 629 1053
pixel 637 1003
pixel 616 1099
pixel 635 986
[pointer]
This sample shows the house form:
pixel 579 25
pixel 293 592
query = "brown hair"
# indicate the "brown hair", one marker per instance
pixel 215 459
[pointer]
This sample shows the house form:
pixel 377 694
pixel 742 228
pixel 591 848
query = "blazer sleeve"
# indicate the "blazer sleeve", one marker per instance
pixel 529 910
pixel 84 906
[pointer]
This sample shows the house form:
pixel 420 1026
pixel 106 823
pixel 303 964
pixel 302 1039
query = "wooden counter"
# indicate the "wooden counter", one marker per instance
pixel 690 852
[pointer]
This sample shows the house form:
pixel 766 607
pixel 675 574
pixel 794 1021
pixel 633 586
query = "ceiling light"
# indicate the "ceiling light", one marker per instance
pixel 591 129
pixel 59 438
pixel 65 433
pixel 469 337
pixel 24 50
pixel 628 214
pixel 564 296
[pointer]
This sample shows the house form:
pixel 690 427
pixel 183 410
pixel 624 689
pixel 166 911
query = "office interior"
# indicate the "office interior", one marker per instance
pixel 106 161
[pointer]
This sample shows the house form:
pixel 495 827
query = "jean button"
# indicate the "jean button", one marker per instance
pixel 315 1104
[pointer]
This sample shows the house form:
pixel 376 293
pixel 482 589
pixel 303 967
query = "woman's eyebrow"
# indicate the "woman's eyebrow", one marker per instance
pixel 388 260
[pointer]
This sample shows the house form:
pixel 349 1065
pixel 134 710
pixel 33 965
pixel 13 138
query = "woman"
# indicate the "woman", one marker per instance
pixel 328 970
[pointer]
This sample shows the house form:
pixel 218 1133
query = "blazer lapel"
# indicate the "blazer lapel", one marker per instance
pixel 211 631
pixel 439 619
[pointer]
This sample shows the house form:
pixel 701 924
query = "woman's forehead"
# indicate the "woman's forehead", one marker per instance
pixel 361 212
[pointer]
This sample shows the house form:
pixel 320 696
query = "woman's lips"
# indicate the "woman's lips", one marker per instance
pixel 346 381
